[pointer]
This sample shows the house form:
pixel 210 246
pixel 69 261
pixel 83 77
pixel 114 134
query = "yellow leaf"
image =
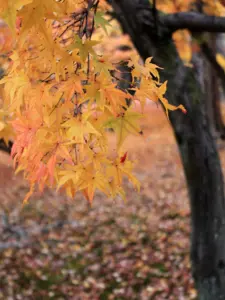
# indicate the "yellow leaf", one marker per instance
pixel 78 127
pixel 221 60
pixel 171 107
pixel 124 124
pixel 2 126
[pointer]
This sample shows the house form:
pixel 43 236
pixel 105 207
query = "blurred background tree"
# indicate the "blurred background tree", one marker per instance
pixel 194 75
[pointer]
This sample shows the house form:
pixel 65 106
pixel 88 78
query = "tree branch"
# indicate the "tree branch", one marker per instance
pixel 193 21
pixel 212 59
pixel 4 147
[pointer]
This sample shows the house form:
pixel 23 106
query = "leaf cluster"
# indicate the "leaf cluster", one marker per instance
pixel 62 96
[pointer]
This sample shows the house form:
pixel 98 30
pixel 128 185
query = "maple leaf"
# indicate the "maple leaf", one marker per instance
pixel 105 94
pixel 221 60
pixel 85 47
pixel 146 69
pixel 58 150
pixel 62 95
pixel 123 158
pixel 148 90
pixel 78 127
pixel 90 180
pixel 15 88
pixel 116 190
pixel 9 11
pixel 124 124
pixel 28 195
pixel 2 126
pixel 93 94
pixel 172 107
pixel 182 39
pixel 151 68
pixel 101 21
pixel 116 99
pixel 167 106
pixel 117 170
pixel 51 167
pixel 6 130
pixel 102 65
pixel 70 174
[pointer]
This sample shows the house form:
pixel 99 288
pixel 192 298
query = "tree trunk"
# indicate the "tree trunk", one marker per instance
pixel 211 92
pixel 216 94
pixel 216 77
pixel 205 183
pixel 196 144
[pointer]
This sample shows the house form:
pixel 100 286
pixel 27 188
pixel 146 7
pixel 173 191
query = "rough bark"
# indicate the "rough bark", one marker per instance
pixel 196 144
pixel 210 89
pixel 216 92
pixel 215 73
pixel 220 48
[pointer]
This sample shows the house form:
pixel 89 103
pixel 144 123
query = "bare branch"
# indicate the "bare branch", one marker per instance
pixel 4 147
pixel 193 21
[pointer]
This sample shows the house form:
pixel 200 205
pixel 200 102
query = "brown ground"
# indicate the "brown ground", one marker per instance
pixel 61 249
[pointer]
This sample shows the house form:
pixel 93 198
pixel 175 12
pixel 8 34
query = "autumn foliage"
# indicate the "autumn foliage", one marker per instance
pixel 61 97
pixel 183 38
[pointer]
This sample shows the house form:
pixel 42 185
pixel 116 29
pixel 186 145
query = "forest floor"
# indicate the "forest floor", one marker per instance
pixel 55 248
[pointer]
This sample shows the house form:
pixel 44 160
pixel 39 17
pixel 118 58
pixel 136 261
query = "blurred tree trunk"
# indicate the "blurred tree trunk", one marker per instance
pixel 213 85
pixel 196 144
pixel 210 92
pixel 219 126
pixel 220 48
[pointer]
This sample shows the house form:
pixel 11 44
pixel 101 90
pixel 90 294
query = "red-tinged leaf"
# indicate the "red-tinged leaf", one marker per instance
pixel 25 200
pixel 51 166
pixel 89 195
pixel 168 107
pixel 123 158
pixel 183 110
